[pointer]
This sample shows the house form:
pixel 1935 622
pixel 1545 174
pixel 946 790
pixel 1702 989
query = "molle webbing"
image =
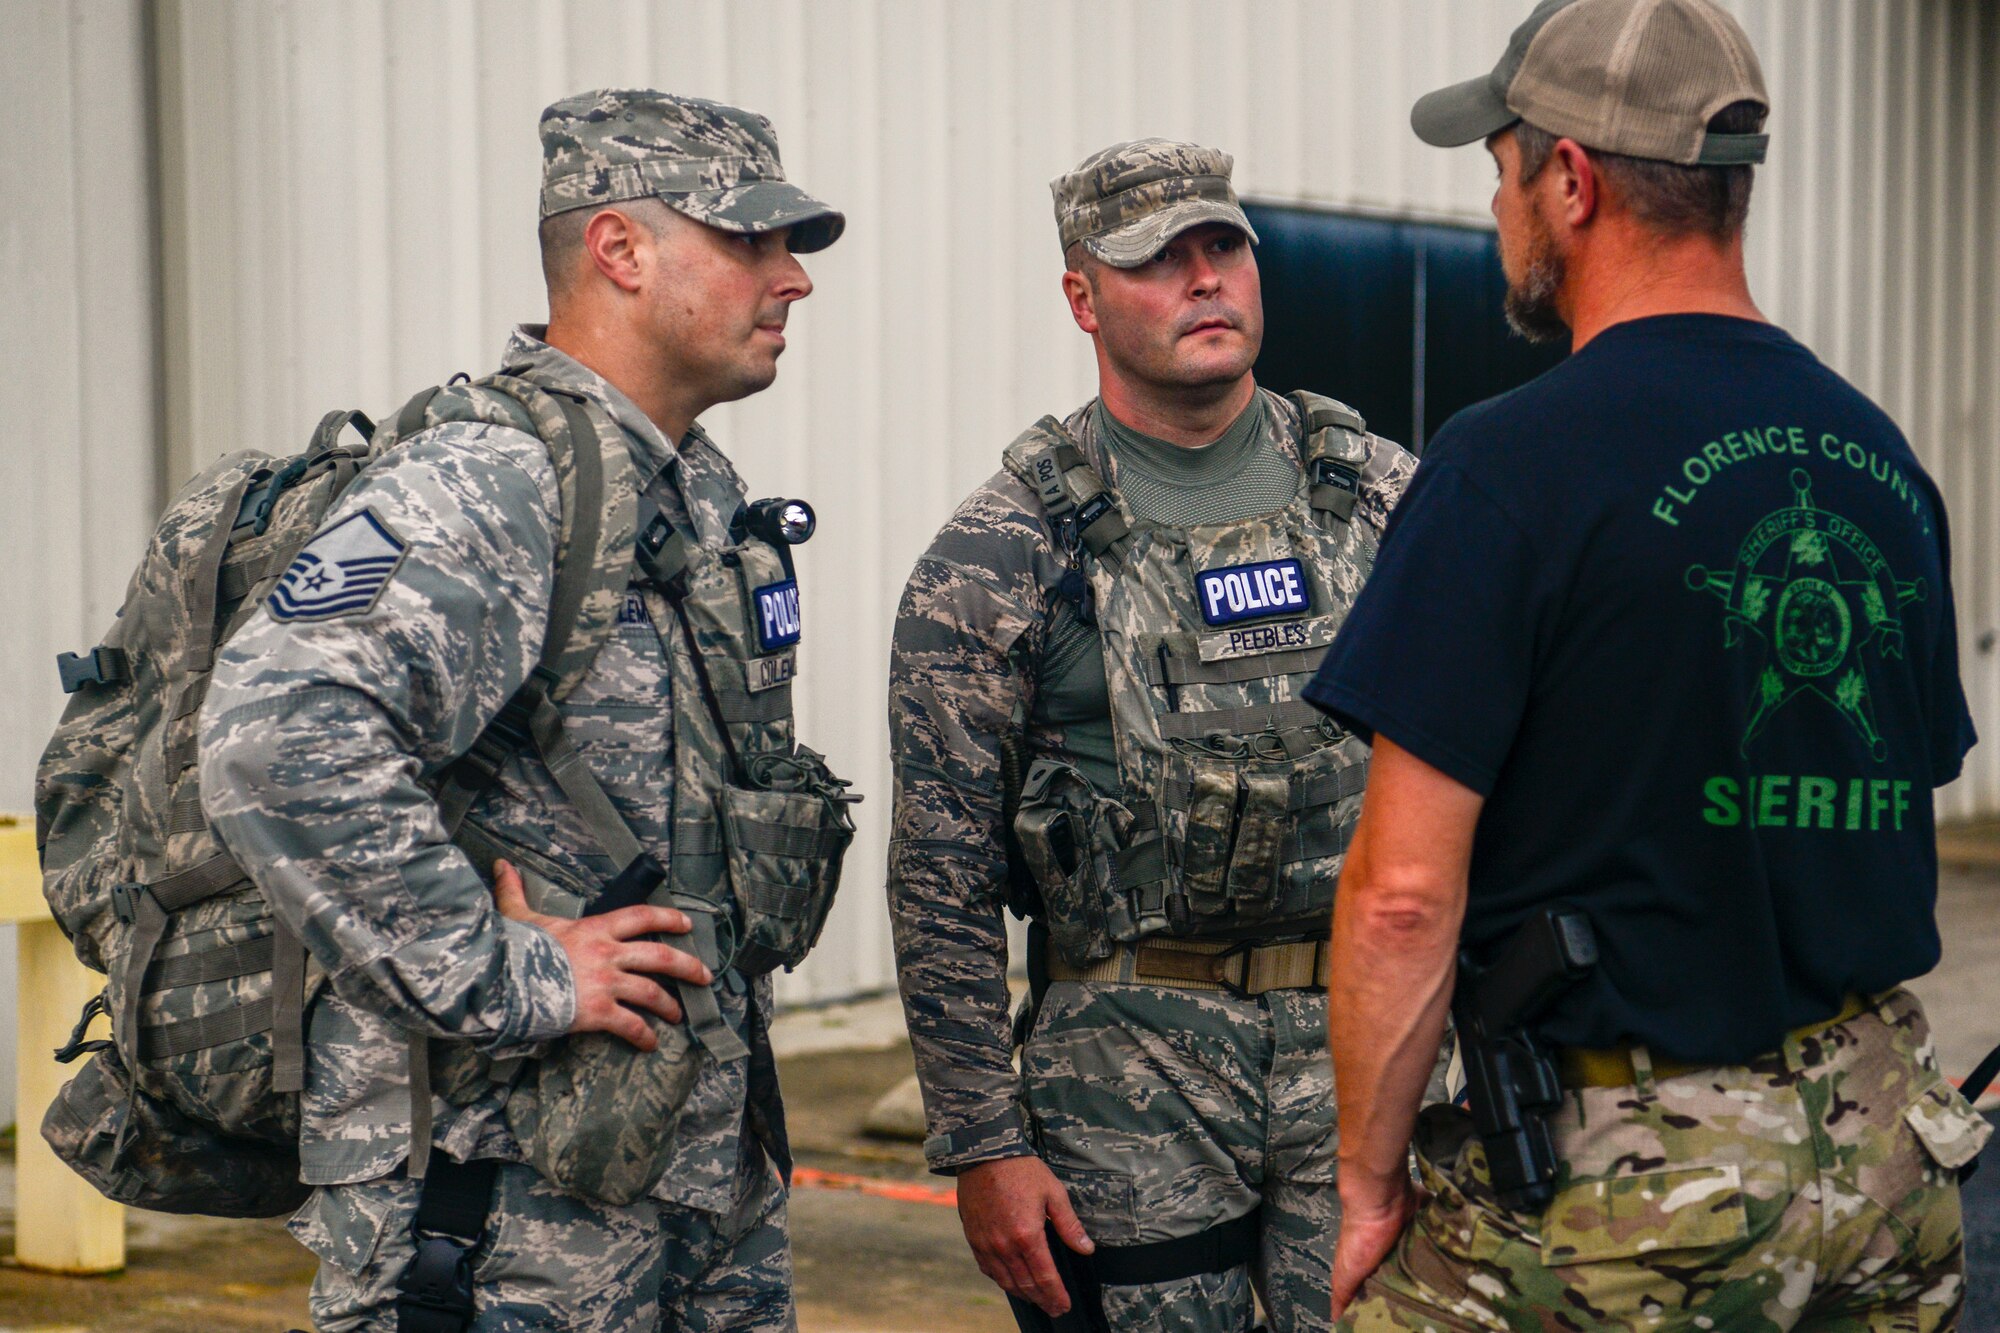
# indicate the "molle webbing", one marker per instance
pixel 1172 670
pixel 1292 713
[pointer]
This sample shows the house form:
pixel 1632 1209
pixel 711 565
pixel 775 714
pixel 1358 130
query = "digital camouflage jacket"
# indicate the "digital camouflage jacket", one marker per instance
pixel 968 650
pixel 319 730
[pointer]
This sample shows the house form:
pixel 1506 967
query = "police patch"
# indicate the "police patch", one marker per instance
pixel 778 615
pixel 1250 592
pixel 340 572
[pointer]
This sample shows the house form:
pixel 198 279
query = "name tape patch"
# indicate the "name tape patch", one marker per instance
pixel 633 612
pixel 778 615
pixel 340 572
pixel 1253 640
pixel 768 673
pixel 1251 592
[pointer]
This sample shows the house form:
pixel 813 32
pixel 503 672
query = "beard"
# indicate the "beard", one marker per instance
pixel 1531 301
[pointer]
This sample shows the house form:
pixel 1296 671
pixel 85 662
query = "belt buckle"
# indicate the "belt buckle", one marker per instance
pixel 1218 969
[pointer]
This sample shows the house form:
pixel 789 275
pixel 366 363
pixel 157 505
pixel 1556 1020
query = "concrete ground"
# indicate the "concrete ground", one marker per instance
pixel 877 1244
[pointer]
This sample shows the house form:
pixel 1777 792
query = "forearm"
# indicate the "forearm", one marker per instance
pixel 1393 966
pixel 314 794
pixel 951 957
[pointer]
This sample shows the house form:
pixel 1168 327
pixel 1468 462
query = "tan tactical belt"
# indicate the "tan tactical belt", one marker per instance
pixel 1612 1067
pixel 1235 966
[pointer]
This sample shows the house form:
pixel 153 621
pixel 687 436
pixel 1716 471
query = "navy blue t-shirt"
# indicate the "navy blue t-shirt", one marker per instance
pixel 1680 610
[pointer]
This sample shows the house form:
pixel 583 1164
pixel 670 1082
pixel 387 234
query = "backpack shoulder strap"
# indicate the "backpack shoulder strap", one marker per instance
pixel 1334 450
pixel 597 487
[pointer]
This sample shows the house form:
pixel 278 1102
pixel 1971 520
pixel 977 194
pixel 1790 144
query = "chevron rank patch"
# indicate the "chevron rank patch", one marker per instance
pixel 340 572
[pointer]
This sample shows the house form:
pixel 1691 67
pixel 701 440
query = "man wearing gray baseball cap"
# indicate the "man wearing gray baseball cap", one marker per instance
pixel 551 1103
pixel 1650 805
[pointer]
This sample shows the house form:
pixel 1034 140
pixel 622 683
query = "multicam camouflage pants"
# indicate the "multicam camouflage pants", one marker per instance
pixel 1167 1112
pixel 552 1260
pixel 1815 1188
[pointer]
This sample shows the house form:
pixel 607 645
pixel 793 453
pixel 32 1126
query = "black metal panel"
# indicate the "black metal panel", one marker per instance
pixel 1402 320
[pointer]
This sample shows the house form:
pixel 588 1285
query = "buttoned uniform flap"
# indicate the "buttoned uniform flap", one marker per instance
pixel 1945 1123
pixel 344 1224
pixel 1622 1217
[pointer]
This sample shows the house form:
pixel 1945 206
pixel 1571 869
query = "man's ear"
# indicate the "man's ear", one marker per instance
pixel 619 247
pixel 1575 182
pixel 1082 300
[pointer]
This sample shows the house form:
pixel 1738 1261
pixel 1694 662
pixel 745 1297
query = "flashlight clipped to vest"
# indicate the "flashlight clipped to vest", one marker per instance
pixel 778 521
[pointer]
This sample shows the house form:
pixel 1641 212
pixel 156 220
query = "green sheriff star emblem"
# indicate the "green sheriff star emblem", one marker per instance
pixel 1820 597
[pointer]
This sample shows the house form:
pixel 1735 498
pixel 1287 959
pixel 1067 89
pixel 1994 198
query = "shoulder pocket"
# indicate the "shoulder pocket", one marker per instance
pixel 1691 1208
pixel 1950 1130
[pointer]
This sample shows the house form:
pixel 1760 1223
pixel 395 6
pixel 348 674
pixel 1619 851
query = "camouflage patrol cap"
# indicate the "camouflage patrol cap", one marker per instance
pixel 714 163
pixel 1127 201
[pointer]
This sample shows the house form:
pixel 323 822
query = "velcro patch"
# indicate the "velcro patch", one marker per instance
pixel 1252 640
pixel 778 615
pixel 768 673
pixel 1252 592
pixel 340 572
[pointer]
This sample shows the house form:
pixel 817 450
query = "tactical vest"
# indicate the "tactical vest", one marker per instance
pixel 1236 797
pixel 760 824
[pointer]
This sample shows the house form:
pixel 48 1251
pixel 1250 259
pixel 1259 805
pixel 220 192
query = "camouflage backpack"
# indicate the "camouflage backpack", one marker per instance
pixel 192 1105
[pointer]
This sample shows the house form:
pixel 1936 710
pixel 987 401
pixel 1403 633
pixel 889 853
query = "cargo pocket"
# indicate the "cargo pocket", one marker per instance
pixel 784 850
pixel 1689 1208
pixel 1950 1130
pixel 1103 1203
pixel 1065 839
pixel 343 1225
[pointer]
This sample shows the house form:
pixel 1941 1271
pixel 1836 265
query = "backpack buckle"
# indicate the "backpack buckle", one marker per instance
pixel 125 901
pixel 259 501
pixel 99 666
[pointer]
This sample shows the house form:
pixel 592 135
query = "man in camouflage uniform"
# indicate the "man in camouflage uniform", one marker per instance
pixel 668 243
pixel 1689 681
pixel 1149 1109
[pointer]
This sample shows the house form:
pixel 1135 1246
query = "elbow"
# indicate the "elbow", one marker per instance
pixel 1407 910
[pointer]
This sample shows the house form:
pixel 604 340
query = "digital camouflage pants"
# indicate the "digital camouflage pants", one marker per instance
pixel 1813 1189
pixel 557 1261
pixel 1167 1112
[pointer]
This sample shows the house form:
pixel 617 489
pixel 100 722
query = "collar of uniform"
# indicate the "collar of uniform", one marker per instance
pixel 529 356
pixel 692 482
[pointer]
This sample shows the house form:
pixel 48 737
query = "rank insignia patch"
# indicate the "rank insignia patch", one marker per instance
pixel 340 572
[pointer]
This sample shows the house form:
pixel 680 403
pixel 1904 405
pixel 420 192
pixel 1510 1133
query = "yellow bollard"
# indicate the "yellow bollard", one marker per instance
pixel 61 1224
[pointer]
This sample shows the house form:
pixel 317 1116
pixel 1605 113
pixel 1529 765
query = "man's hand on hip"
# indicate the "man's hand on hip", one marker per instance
pixel 1005 1206
pixel 616 970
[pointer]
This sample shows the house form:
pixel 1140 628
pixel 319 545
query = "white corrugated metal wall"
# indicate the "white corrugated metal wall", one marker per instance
pixel 347 213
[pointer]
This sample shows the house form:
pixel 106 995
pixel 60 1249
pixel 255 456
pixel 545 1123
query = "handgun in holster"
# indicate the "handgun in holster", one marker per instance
pixel 1510 1072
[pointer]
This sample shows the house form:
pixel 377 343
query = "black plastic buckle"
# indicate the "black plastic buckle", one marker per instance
pixel 125 901
pixel 259 502
pixel 434 1294
pixel 1333 472
pixel 99 666
pixel 1096 507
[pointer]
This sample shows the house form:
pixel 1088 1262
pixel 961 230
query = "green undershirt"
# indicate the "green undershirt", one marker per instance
pixel 1239 475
